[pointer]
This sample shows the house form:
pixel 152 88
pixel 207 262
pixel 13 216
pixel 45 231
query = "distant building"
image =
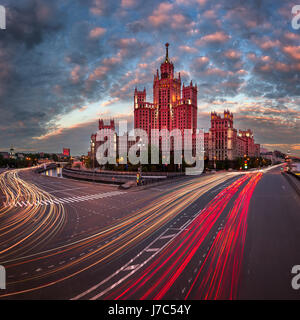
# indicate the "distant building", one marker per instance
pixel 224 143
pixel 44 160
pixel 95 144
pixel 241 147
pixel 263 150
pixel 274 156
pixel 249 145
pixel 66 152
pixel 12 154
pixel 175 106
pixel 206 145
pixel 120 149
pixel 62 157
pixel 257 149
pixel 5 155
pixel 20 156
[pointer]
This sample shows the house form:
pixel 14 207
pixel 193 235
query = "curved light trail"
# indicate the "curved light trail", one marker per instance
pixel 221 269
pixel 104 245
pixel 166 269
pixel 219 274
pixel 22 228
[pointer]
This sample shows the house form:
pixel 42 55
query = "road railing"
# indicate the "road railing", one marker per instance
pixel 116 177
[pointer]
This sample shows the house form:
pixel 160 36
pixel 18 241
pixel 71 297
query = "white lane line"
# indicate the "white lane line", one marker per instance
pixel 70 189
pixel 152 249
pixel 135 270
pixel 67 200
pixel 127 264
pixel 168 236
pixel 133 267
pixel 184 226
pixel 118 271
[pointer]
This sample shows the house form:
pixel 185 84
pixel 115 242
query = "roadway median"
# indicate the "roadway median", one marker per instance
pixel 124 179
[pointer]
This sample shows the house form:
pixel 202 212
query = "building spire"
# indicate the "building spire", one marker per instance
pixel 167 52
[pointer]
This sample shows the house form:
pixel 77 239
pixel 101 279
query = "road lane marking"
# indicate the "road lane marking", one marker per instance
pixel 147 249
pixel 132 267
pixel 22 204
pixel 168 236
pixel 152 249
pixel 70 189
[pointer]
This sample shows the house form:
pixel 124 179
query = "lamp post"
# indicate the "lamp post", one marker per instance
pixel 93 158
pixel 140 168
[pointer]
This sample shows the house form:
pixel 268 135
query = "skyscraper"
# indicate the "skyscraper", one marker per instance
pixel 174 106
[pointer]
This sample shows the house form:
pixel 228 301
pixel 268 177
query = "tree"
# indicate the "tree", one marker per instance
pixel 55 157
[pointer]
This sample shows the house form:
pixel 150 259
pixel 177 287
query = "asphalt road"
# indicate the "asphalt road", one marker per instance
pixel 223 236
pixel 273 240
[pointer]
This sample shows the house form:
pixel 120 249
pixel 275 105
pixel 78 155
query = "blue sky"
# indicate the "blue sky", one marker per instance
pixel 64 64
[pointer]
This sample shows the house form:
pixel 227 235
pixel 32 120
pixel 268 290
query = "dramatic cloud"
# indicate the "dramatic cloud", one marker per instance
pixel 63 64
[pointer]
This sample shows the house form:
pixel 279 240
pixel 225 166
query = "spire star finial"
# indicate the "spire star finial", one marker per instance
pixel 167 51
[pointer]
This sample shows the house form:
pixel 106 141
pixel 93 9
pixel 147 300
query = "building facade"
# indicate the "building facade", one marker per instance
pixel 106 128
pixel 223 142
pixel 174 105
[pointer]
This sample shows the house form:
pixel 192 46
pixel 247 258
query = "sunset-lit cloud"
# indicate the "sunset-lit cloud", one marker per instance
pixel 97 32
pixel 217 37
pixel 66 63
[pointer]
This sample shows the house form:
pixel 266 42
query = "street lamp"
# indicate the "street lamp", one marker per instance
pixel 140 144
pixel 93 153
pixel 93 158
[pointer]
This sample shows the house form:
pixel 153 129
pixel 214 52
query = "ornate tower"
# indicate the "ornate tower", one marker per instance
pixel 189 94
pixel 139 97
pixel 166 92
pixel 169 109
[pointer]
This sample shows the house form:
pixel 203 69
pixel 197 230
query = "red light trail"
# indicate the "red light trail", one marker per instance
pixel 127 231
pixel 220 277
pixel 222 267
